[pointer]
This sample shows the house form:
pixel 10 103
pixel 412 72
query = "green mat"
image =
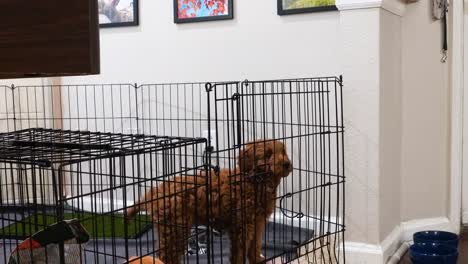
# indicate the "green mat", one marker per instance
pixel 98 226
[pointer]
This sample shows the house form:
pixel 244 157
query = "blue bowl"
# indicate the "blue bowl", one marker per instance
pixel 439 237
pixel 432 253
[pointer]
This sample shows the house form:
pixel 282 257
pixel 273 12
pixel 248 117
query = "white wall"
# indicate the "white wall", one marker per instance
pixel 390 122
pixel 360 61
pixel 425 156
pixel 465 122
pixel 257 44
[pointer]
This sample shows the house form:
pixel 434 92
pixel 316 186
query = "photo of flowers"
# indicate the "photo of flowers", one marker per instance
pixel 288 7
pixel 202 10
pixel 118 13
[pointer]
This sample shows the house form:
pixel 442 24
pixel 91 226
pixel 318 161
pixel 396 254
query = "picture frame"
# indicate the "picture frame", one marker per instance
pixel 291 10
pixel 118 13
pixel 188 13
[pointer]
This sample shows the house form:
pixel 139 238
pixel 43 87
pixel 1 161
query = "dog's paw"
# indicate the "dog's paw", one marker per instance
pixel 260 259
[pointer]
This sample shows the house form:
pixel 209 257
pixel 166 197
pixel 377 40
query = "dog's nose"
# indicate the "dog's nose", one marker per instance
pixel 286 165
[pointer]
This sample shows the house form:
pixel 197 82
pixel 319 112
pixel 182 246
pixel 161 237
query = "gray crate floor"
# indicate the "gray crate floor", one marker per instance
pixel 279 240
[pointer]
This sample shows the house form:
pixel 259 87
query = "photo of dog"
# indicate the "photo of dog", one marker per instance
pixel 118 13
pixel 240 201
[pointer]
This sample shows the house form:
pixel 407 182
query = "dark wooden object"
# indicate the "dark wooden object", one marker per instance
pixel 48 38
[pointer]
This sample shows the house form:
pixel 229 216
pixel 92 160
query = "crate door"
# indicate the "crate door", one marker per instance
pixel 295 113
pixel 306 116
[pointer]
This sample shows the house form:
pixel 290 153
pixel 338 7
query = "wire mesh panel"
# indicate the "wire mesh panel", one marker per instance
pixel 97 108
pixel 6 109
pixel 229 172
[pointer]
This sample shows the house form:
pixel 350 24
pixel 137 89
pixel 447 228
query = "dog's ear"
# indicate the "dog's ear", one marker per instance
pixel 246 159
pixel 254 156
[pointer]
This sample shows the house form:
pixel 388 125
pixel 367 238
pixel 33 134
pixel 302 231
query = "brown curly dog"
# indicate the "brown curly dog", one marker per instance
pixel 239 201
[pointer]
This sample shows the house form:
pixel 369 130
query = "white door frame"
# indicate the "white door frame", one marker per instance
pixel 457 124
pixel 465 125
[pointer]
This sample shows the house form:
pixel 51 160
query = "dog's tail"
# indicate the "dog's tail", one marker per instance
pixel 131 212
pixel 149 201
pixel 140 205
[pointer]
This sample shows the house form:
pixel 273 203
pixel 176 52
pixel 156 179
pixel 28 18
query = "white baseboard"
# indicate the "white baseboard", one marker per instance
pixel 97 204
pixel 392 242
pixel 362 253
pixel 465 218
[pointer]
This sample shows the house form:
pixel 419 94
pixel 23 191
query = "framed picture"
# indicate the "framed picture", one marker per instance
pixel 289 7
pixel 118 13
pixel 186 11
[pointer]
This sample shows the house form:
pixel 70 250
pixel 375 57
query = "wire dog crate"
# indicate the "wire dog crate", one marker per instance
pixel 49 176
pixel 232 172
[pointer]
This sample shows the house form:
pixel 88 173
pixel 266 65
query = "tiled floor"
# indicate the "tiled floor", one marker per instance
pixel 463 257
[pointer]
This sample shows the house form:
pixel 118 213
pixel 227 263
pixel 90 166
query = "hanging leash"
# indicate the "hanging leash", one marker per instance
pixel 445 45
pixel 440 11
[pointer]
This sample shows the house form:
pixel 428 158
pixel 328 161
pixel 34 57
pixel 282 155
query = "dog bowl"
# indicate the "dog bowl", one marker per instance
pixel 432 253
pixel 439 237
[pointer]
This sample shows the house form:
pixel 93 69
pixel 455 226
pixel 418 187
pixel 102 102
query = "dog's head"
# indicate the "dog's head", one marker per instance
pixel 266 156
